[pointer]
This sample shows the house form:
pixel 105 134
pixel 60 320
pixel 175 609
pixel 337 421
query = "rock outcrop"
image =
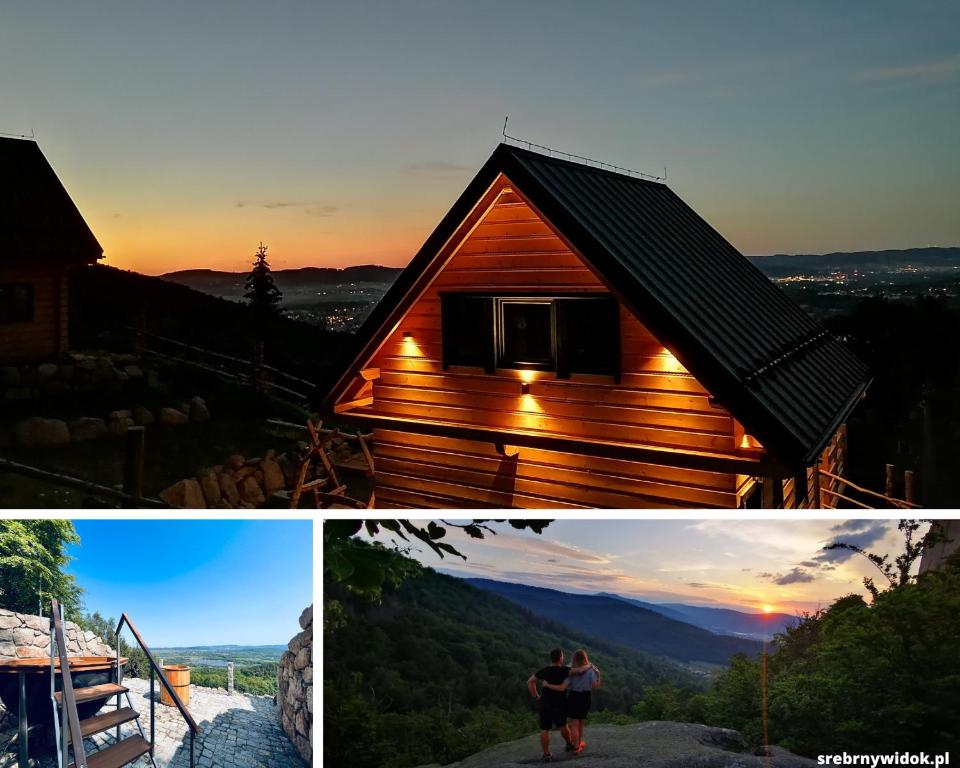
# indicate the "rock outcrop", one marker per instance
pixel 644 745
pixel 28 637
pixel 295 689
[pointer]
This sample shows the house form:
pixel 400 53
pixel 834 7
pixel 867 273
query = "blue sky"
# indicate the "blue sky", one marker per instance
pixel 198 582
pixel 341 132
pixel 745 564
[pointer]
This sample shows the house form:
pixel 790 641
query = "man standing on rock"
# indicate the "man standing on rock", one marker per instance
pixel 553 704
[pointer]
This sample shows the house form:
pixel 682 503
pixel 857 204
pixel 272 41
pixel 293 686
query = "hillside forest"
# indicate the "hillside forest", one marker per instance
pixel 432 670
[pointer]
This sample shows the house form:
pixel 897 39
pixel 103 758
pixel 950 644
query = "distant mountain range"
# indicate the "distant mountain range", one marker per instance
pixel 227 283
pixel 723 621
pixel 223 648
pixel 625 622
pixel 782 265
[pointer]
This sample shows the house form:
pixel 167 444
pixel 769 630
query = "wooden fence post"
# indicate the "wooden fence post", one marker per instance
pixel 888 487
pixel 910 486
pixel 133 462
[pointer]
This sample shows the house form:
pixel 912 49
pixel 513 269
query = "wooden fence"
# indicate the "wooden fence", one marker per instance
pixel 253 372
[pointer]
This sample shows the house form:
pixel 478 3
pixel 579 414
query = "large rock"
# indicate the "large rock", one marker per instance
pixel 173 417
pixel 38 431
pixel 210 488
pixel 229 490
pixel 87 428
pixel 644 745
pixel 273 479
pixel 199 410
pixel 186 493
pixel 251 492
pixel 142 416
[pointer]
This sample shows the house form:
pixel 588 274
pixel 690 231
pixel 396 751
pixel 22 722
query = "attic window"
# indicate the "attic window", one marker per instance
pixel 16 303
pixel 565 334
pixel 526 334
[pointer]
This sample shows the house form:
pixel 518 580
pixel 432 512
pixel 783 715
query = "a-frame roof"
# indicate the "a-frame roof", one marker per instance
pixel 38 220
pixel 786 379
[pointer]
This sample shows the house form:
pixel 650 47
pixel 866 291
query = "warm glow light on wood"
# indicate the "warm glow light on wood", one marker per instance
pixel 749 441
pixel 672 365
pixel 410 347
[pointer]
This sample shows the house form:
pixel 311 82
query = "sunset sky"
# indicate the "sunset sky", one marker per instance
pixel 746 564
pixel 340 133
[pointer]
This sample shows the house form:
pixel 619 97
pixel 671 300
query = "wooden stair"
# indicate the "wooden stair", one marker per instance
pixel 93 693
pixel 121 752
pixel 118 755
pixel 106 721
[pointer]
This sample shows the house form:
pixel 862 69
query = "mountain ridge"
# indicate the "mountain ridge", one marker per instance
pixel 723 621
pixel 636 627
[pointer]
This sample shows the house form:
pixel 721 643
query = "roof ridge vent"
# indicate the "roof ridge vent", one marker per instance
pixel 589 161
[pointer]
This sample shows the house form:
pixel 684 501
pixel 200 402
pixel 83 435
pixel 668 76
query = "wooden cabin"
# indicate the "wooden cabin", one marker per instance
pixel 574 337
pixel 44 236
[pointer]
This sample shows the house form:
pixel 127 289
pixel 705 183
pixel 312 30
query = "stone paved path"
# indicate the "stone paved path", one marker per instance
pixel 236 731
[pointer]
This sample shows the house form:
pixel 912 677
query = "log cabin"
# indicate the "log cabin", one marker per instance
pixel 44 238
pixel 571 336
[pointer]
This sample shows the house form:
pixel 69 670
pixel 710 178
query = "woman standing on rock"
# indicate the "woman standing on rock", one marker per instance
pixel 584 678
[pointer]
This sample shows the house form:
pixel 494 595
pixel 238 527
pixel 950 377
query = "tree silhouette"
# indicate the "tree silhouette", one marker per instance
pixel 260 290
pixel 897 573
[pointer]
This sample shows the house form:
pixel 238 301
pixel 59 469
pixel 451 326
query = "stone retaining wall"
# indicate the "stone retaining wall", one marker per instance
pixel 28 637
pixel 74 372
pixel 295 689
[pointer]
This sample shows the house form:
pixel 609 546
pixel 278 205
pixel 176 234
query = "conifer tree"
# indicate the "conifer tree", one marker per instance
pixel 260 290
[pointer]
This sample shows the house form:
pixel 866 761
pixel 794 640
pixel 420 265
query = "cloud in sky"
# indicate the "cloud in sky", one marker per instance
pixel 859 533
pixel 536 545
pixel 793 576
pixel 778 562
pixel 320 210
pixel 932 70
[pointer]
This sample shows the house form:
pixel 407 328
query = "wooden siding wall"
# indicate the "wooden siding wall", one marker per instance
pixel 46 334
pixel 657 402
pixel 833 460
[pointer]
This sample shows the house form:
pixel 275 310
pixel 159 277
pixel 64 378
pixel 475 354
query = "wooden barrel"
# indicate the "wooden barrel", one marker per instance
pixel 178 675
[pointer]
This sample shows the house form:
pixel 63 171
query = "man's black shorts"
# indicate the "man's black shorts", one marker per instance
pixel 578 705
pixel 553 715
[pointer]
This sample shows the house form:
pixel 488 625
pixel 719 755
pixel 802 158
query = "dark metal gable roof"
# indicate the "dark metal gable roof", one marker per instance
pixel 37 217
pixel 787 380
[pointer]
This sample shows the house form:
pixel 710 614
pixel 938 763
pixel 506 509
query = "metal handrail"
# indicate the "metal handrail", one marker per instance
pixel 71 719
pixel 155 668
pixel 53 696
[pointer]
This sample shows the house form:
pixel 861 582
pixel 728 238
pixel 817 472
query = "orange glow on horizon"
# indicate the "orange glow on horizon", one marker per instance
pixel 204 239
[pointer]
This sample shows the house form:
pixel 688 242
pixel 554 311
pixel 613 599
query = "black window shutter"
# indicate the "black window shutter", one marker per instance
pixel 588 337
pixel 467 331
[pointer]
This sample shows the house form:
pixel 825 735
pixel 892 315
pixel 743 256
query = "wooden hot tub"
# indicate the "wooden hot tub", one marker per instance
pixel 85 671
